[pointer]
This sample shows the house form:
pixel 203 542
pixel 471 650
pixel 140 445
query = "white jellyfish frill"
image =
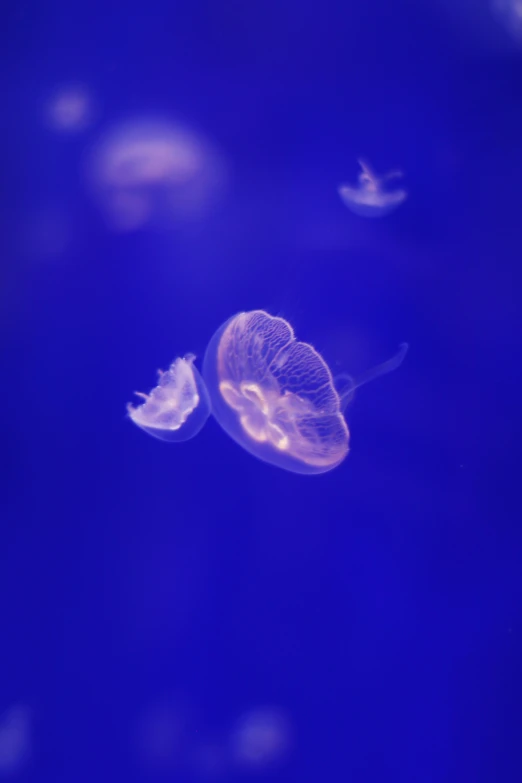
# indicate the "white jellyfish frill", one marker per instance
pixel 178 407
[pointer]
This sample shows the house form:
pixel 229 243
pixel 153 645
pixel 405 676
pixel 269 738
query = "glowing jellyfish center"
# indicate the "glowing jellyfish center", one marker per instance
pixel 259 413
pixel 153 172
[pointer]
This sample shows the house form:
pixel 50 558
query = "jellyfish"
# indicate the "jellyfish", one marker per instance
pixel 276 396
pixel 70 109
pixel 154 173
pixel 15 739
pixel 509 13
pixel 178 407
pixel 370 198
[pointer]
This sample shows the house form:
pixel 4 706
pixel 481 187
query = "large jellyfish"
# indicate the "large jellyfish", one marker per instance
pixel 371 198
pixel 276 397
pixel 178 407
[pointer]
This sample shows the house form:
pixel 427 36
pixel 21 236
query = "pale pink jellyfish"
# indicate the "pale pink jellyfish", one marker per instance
pixel 371 198
pixel 178 407
pixel 70 109
pixel 276 396
pixel 260 739
pixel 154 173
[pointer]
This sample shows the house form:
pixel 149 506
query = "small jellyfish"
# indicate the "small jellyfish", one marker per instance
pixel 15 740
pixel 276 397
pixel 178 407
pixel 260 739
pixel 371 198
pixel 70 109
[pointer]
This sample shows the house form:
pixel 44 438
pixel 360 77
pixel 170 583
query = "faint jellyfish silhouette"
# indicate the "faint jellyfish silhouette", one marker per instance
pixel 260 738
pixel 15 739
pixel 178 407
pixel 371 198
pixel 70 109
pixel 509 13
pixel 150 172
pixel 276 397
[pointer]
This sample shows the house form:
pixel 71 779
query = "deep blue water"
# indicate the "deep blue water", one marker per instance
pixel 376 607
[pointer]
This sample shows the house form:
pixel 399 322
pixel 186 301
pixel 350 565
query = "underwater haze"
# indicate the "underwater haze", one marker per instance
pixel 193 608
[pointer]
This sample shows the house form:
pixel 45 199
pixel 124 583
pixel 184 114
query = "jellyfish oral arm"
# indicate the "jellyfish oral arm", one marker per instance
pixel 367 178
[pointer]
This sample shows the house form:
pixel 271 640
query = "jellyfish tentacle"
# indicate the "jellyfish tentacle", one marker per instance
pixel 345 385
pixel 370 375
pixel 395 174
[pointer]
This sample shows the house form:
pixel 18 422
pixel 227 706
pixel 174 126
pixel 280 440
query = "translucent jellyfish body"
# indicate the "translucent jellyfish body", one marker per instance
pixel 70 109
pixel 178 407
pixel 275 396
pixel 371 197
pixel 154 173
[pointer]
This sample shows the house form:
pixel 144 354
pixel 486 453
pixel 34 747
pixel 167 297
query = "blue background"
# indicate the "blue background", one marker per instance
pixel 379 605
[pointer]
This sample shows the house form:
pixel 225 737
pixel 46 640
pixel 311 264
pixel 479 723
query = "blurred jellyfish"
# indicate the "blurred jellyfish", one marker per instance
pixel 69 109
pixel 509 12
pixel 178 407
pixel 276 397
pixel 370 198
pixel 15 740
pixel 260 738
pixel 148 172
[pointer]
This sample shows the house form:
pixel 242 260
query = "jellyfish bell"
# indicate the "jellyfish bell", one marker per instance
pixel 260 739
pixel 178 407
pixel 153 173
pixel 275 396
pixel 69 109
pixel 371 198
pixel 369 204
pixel 15 739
